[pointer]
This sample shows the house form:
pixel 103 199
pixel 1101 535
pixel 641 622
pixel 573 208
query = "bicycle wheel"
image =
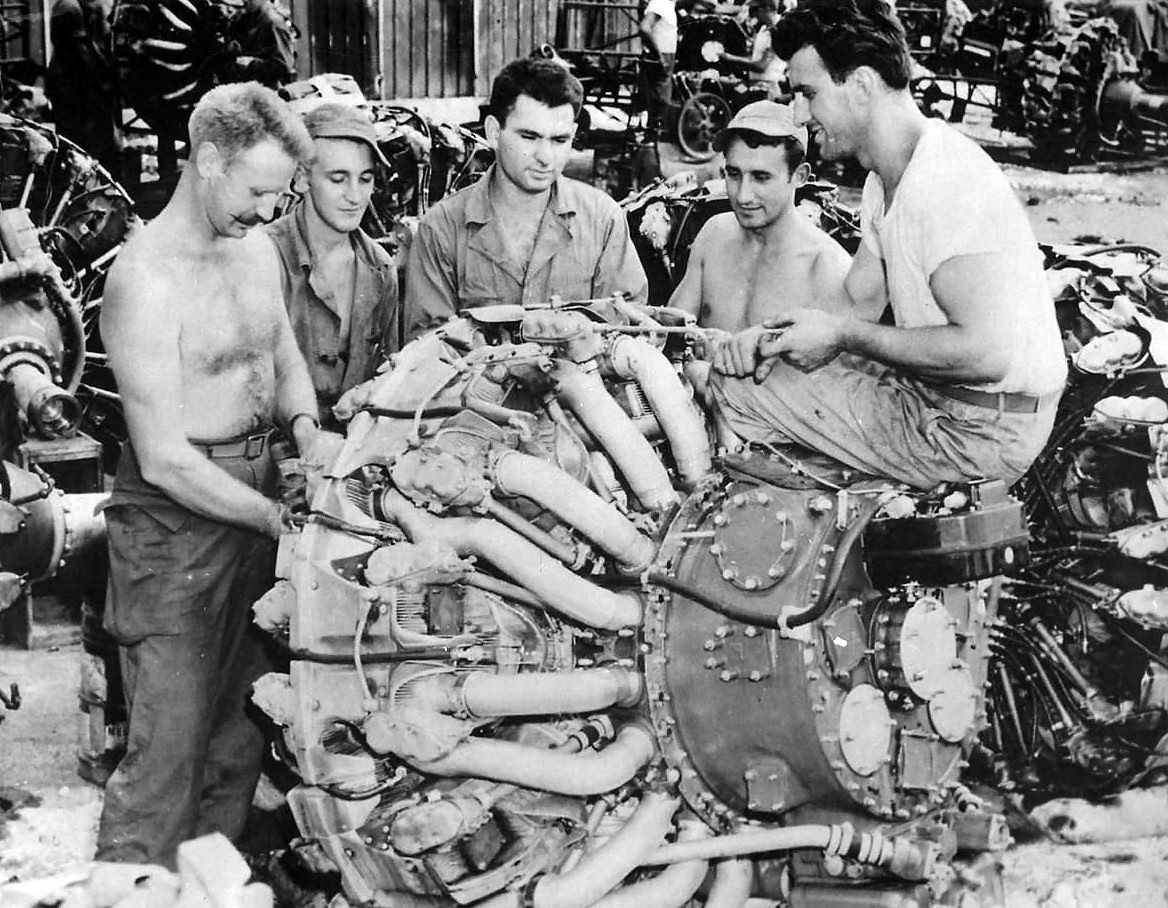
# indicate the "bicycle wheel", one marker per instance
pixel 701 118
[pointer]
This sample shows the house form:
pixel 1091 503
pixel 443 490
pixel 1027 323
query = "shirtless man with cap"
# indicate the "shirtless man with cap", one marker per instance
pixel 764 256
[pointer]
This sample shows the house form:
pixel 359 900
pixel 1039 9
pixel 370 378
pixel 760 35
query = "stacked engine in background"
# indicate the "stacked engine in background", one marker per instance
pixel 542 646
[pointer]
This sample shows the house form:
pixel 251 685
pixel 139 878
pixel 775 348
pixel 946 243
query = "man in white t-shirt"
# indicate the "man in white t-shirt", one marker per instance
pixel 659 42
pixel 965 383
pixel 764 66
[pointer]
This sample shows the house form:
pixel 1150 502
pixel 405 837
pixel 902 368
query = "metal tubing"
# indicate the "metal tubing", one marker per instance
pixel 549 486
pixel 541 693
pixel 523 562
pixel 678 415
pixel 733 880
pixel 584 394
pixel 578 774
pixel 673 887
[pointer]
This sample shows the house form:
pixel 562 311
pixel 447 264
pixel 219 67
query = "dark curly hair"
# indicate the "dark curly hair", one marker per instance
pixel 543 80
pixel 847 34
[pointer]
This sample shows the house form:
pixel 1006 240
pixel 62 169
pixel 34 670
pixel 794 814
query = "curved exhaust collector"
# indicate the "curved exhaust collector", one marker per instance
pixel 603 869
pixel 520 560
pixel 673 887
pixel 579 774
pixel 584 394
pixel 675 410
pixel 549 486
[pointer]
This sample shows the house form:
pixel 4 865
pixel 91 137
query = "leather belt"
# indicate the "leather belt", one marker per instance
pixel 1002 401
pixel 248 447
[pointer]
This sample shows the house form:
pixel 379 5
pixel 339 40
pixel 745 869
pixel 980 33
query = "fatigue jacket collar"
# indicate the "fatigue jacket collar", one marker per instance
pixel 553 236
pixel 362 247
pixel 481 210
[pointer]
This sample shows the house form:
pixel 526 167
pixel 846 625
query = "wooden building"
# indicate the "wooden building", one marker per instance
pixel 448 48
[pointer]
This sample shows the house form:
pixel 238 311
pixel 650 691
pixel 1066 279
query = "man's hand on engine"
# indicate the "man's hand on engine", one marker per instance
pixel 806 338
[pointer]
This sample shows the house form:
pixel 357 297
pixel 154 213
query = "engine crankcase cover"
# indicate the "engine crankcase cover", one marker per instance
pixel 756 721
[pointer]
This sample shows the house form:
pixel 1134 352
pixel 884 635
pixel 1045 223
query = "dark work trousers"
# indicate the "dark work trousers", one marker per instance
pixel 180 595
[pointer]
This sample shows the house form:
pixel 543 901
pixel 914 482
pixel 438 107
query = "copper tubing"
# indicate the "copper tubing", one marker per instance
pixel 549 486
pixel 520 560
pixel 585 395
pixel 673 887
pixel 631 357
pixel 577 774
pixel 733 880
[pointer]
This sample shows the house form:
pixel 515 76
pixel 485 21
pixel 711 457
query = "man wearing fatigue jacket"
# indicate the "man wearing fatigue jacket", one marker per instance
pixel 206 365
pixel 340 287
pixel 964 384
pixel 523 232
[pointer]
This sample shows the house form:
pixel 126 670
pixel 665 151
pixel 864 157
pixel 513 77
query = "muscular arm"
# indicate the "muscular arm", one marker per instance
pixel 140 324
pixel 431 295
pixel 970 289
pixel 866 285
pixel 687 295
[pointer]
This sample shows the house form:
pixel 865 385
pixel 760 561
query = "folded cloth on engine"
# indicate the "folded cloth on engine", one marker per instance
pixel 879 421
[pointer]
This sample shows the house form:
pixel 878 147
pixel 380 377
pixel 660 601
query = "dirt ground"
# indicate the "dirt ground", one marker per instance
pixel 39 742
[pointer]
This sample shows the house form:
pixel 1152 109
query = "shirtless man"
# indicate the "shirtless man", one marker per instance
pixel 206 365
pixel 764 256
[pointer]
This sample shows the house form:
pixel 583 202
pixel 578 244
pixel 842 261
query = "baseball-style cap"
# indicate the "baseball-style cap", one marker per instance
pixel 343 121
pixel 768 118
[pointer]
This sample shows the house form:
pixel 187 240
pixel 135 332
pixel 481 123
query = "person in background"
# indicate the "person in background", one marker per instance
pixel 81 82
pixel 658 30
pixel 767 71
pixel 340 287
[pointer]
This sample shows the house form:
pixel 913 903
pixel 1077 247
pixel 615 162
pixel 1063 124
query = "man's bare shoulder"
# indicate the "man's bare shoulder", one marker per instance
pixel 719 230
pixel 141 268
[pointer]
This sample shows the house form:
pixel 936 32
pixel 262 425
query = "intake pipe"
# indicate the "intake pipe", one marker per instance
pixel 484 695
pixel 601 870
pixel 633 358
pixel 530 567
pixel 577 774
pixel 673 887
pixel 546 484
pixel 584 394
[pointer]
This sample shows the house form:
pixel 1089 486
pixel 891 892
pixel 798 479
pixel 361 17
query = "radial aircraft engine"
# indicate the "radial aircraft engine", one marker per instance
pixel 552 644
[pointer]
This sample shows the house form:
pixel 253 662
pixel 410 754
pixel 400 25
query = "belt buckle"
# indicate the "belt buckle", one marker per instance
pixel 253 445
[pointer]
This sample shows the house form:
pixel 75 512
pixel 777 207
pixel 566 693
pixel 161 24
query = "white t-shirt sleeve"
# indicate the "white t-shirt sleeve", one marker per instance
pixel 961 216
